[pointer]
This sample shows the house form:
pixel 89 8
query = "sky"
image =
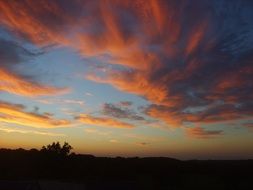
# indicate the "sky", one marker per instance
pixel 128 78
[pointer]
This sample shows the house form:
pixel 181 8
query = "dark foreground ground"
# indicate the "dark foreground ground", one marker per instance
pixel 34 170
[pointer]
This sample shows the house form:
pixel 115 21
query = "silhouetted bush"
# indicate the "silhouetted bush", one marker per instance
pixel 56 148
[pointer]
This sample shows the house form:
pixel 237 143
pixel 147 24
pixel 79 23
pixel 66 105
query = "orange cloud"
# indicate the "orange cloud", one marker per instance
pixel 152 12
pixel 103 121
pixel 175 54
pixel 14 84
pixel 164 114
pixel 112 39
pixel 174 61
pixel 30 21
pixel 142 86
pixel 195 38
pixel 14 113
pixel 137 59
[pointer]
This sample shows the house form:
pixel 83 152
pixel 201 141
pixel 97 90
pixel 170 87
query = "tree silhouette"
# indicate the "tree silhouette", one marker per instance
pixel 56 148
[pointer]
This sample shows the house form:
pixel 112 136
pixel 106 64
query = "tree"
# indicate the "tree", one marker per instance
pixel 56 148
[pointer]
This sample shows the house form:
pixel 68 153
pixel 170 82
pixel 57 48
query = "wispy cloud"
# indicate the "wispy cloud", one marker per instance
pixel 125 103
pixel 119 111
pixel 15 84
pixel 201 133
pixel 15 113
pixel 79 102
pixel 61 101
pixel 103 121
pixel 174 54
pixel 248 125
pixel 97 132
pixel 113 141
pixel 11 54
pixel 88 94
pixel 15 130
pixel 144 138
pixel 142 143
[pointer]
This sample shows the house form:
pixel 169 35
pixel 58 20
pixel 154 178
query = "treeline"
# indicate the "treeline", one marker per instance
pixel 57 162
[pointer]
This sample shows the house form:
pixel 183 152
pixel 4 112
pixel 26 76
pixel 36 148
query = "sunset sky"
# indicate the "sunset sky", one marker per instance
pixel 128 77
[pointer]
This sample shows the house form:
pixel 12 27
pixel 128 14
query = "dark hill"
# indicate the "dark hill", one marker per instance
pixel 135 173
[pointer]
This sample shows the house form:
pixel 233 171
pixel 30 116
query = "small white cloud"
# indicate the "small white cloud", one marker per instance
pixel 88 94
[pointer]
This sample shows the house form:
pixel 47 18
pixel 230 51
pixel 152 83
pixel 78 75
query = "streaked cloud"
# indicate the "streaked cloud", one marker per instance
pixel 142 143
pixel 103 121
pixel 15 84
pixel 125 103
pixel 201 133
pixel 113 141
pixel 249 125
pixel 178 55
pixel 121 112
pixel 16 114
pixel 97 132
pixel 60 101
pixel 188 67
pixel 37 23
pixel 219 112
pixel 11 54
pixel 88 94
pixel 79 102
pixel 22 131
pixel 144 138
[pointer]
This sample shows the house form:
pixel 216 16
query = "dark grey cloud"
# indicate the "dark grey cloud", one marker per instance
pixel 143 143
pixel 122 112
pixel 248 125
pixel 201 133
pixel 12 53
pixel 125 103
